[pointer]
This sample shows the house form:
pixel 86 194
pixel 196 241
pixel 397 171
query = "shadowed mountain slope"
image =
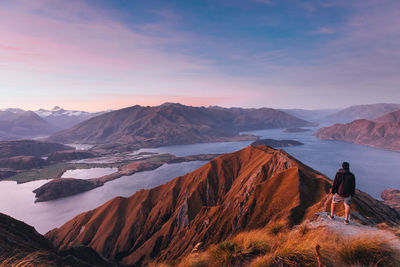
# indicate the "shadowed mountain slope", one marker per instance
pixel 21 245
pixel 244 190
pixel 19 124
pixel 171 124
pixel 30 148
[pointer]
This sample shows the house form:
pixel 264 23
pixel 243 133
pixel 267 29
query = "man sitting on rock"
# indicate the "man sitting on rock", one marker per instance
pixel 343 189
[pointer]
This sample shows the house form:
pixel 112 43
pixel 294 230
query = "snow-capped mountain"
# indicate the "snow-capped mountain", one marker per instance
pixel 63 118
pixel 19 124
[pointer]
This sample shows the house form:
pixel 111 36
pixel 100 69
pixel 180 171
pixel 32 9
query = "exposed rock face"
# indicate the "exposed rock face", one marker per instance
pixel 21 244
pixel 240 191
pixel 171 124
pixel 390 117
pixel 368 112
pixel 70 155
pixel 391 197
pixel 375 134
pixel 22 162
pixel 276 143
pixel 29 148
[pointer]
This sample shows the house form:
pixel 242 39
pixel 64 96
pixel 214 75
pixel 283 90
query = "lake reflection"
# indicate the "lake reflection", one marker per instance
pixel 88 173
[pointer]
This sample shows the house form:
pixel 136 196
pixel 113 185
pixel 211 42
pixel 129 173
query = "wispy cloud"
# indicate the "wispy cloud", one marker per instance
pixel 256 57
pixel 324 30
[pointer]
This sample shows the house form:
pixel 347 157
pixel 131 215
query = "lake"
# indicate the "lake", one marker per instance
pixel 88 173
pixel 17 200
pixel 375 171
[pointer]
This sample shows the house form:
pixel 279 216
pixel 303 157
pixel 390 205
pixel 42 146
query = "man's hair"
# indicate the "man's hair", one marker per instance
pixel 345 165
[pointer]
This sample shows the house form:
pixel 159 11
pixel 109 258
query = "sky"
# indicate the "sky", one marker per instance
pixel 107 54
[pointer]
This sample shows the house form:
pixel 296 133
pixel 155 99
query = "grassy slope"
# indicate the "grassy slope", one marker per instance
pixel 276 245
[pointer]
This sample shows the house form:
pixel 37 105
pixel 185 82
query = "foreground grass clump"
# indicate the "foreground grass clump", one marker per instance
pixel 295 248
pixel 276 228
pixel 367 252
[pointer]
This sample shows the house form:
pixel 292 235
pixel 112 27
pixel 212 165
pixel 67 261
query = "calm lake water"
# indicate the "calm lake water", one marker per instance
pixel 88 173
pixel 17 200
pixel 375 171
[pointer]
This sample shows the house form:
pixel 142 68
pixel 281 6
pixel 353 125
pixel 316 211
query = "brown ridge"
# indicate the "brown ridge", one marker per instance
pixel 240 191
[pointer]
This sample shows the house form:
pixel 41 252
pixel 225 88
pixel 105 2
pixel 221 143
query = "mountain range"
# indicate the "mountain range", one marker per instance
pixel 64 119
pixel 313 115
pixel 241 191
pixel 383 132
pixel 18 124
pixel 368 112
pixel 172 124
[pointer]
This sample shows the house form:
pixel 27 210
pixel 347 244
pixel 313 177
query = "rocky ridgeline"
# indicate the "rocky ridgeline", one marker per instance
pixel 248 189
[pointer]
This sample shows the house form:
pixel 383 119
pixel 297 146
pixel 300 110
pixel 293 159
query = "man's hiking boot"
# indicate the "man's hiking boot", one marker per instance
pixel 346 222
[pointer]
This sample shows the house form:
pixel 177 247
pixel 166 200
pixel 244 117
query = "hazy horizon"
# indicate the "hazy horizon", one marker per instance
pixel 51 107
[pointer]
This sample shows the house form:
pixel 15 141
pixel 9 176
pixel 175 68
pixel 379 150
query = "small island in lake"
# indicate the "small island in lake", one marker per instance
pixel 276 143
pixel 296 130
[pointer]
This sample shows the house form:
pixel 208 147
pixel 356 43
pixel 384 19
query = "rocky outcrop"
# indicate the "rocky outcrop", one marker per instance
pixel 173 124
pixel 364 132
pixel 276 143
pixel 235 192
pixel 21 245
pixel 391 197
pixel 29 148
pixel 70 155
pixel 22 162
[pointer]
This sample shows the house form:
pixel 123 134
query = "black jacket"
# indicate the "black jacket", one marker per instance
pixel 344 183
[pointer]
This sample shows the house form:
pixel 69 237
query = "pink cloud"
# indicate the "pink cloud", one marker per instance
pixel 89 43
pixel 8 47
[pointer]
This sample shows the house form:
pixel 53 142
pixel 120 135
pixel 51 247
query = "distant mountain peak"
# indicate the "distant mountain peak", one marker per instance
pixel 63 118
pixel 171 104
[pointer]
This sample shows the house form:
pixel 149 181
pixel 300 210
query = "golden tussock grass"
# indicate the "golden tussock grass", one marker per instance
pixel 295 248
pixel 367 251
